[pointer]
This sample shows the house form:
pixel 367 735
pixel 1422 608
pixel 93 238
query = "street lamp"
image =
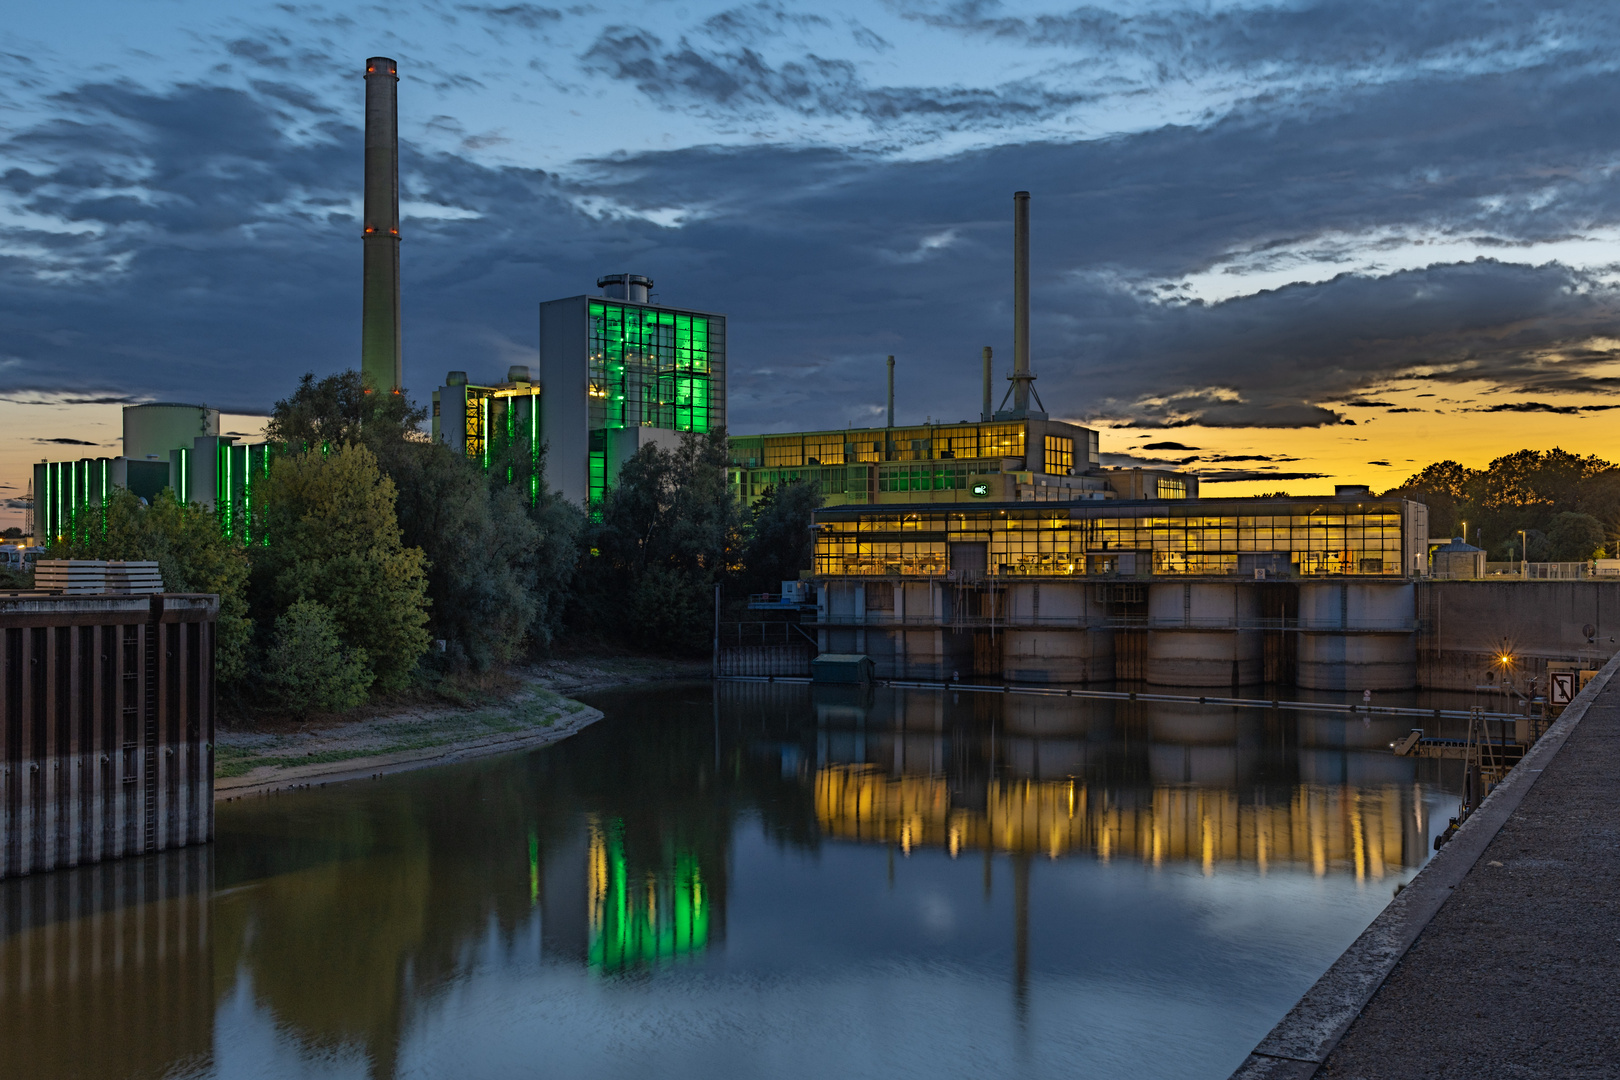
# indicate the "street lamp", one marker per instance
pixel 1524 556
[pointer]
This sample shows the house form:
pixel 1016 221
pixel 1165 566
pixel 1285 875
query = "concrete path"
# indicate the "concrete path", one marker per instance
pixel 1515 966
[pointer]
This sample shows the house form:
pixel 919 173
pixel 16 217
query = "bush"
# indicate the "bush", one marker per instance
pixel 308 669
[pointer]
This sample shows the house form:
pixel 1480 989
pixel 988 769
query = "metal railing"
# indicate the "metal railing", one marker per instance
pixel 1120 622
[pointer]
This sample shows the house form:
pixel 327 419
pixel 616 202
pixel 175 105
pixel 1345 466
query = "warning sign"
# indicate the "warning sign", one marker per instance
pixel 1561 689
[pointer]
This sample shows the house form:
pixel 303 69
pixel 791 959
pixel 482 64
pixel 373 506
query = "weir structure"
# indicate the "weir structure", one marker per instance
pixel 106 726
pixel 380 365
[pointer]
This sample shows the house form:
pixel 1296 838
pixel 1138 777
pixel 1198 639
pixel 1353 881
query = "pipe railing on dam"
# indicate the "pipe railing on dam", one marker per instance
pixel 1116 622
pixel 1179 699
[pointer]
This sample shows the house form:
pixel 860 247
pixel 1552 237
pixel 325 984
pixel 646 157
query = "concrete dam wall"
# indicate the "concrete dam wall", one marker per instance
pixel 1321 634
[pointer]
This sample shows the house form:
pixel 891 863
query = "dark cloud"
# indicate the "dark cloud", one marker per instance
pixel 528 16
pixel 1166 446
pixel 50 397
pixel 735 77
pixel 1542 407
pixel 1233 476
pixel 1383 463
pixel 18 504
pixel 206 252
pixel 68 442
pixel 1250 457
pixel 1363 403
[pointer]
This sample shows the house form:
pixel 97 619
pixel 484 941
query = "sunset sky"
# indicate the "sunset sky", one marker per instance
pixel 1285 245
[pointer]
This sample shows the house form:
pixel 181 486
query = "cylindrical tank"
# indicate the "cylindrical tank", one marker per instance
pixel 1203 634
pixel 1057 633
pixel 632 287
pixel 1356 636
pixel 1057 656
pixel 151 431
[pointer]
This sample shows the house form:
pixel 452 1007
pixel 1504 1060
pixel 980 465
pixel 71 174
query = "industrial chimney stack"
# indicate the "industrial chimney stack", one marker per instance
pixel 379 321
pixel 1022 377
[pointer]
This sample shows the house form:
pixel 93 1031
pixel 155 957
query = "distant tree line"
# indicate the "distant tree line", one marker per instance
pixel 1567 506
pixel 372 542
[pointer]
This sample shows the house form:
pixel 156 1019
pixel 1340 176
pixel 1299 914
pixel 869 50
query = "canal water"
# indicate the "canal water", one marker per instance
pixel 754 880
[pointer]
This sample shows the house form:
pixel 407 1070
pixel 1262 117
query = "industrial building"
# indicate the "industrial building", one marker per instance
pixel 1001 548
pixel 617 372
pixel 166 445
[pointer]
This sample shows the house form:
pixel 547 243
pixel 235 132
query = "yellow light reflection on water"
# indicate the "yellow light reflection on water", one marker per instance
pixel 1370 833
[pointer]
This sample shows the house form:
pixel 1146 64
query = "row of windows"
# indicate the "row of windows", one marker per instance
pixel 934 477
pixel 1159 524
pixel 928 443
pixel 930 559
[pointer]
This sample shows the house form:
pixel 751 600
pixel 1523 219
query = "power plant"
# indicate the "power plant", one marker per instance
pixel 997 547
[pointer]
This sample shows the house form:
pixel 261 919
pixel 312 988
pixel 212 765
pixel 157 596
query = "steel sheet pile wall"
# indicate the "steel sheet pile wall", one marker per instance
pixel 107 727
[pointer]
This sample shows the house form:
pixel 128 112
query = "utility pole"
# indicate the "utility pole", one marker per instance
pixel 715 664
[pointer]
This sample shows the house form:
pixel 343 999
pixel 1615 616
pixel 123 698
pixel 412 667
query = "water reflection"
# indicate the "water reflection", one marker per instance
pixel 763 881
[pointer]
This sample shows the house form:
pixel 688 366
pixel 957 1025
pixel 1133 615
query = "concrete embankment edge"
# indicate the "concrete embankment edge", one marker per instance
pixel 1298 1045
pixel 337 772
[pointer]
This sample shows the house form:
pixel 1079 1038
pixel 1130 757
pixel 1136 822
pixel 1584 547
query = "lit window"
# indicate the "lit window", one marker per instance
pixel 1060 456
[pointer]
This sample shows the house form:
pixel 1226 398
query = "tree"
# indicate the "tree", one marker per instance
pixel 670 529
pixel 781 536
pixel 192 554
pixel 478 545
pixel 334 538
pixel 339 409
pixel 1575 537
pixel 1444 488
pixel 308 668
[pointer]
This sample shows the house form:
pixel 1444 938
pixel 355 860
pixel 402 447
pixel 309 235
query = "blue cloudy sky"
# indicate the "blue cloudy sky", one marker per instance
pixel 1277 242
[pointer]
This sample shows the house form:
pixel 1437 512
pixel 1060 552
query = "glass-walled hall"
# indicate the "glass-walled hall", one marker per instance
pixel 655 367
pixel 1226 537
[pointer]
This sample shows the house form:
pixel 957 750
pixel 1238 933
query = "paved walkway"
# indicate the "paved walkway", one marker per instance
pixel 1518 974
pixel 1502 957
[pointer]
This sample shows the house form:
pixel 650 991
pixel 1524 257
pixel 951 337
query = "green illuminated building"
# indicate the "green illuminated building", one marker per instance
pixel 620 372
pixel 617 372
pixel 161 451
pixel 494 426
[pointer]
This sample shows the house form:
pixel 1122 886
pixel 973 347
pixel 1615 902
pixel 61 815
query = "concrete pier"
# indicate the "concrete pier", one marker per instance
pixel 1500 959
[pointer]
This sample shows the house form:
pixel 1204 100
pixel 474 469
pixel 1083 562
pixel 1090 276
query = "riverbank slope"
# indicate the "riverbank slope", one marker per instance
pixel 252 760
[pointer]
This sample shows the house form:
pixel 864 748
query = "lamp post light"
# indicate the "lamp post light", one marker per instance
pixel 1524 556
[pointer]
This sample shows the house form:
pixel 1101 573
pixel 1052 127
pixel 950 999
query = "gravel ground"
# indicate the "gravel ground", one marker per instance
pixel 1518 974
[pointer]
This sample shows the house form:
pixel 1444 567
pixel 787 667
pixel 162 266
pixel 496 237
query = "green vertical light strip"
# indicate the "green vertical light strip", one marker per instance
pixel 534 870
pixel 534 446
pixel 227 501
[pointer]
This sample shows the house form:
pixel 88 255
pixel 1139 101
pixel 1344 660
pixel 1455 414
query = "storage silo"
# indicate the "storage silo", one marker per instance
pixel 151 431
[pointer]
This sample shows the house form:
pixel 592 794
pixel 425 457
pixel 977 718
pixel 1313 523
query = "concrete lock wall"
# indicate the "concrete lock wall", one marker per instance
pixel 1356 636
pixel 1464 626
pixel 1203 634
pixel 1078 647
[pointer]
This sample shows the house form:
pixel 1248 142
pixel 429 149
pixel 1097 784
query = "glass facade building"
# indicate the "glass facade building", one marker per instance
pixel 619 374
pixel 957 462
pixel 1208 537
